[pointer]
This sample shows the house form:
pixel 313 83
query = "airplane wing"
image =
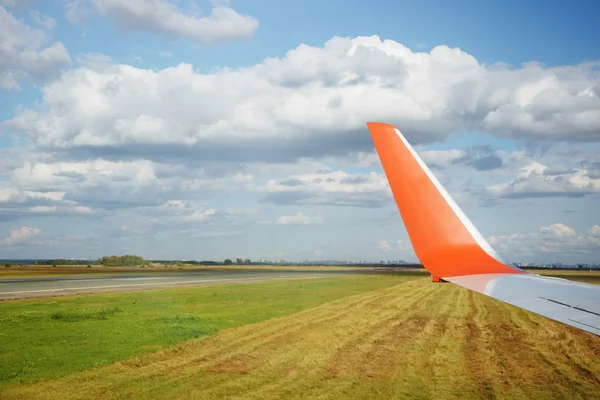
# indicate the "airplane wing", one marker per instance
pixel 452 249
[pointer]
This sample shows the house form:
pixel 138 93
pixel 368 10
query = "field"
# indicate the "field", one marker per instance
pixel 50 338
pixel 582 276
pixel 351 337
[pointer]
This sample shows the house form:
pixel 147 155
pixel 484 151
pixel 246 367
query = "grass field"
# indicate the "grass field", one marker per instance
pixel 360 337
pixel 581 276
pixel 50 338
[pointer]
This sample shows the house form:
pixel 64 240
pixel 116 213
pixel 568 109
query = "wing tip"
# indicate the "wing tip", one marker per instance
pixel 373 124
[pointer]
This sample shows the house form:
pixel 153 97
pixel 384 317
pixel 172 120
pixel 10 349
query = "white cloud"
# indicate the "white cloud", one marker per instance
pixel 22 52
pixel 242 177
pixel 331 188
pixel 43 20
pixel 313 102
pixel 386 246
pixel 183 211
pixel 298 219
pixel 19 235
pixel 557 230
pixel 89 186
pixel 180 215
pixel 594 231
pixel 555 239
pixel 62 175
pixel 199 216
pixel 16 202
pixel 101 179
pixel 94 60
pixel 164 17
pixel 549 102
pixel 538 180
pixel 167 148
pixel 440 157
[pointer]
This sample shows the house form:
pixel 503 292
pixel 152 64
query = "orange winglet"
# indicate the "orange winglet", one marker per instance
pixel 445 241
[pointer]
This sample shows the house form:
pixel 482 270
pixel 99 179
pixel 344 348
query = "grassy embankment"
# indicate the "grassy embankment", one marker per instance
pixel 406 339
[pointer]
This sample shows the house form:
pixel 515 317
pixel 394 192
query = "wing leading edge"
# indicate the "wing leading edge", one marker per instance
pixel 452 249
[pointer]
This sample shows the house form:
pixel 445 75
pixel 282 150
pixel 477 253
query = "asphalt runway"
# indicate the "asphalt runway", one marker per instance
pixel 22 288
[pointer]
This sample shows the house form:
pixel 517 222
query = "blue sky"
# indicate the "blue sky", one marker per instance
pixel 144 127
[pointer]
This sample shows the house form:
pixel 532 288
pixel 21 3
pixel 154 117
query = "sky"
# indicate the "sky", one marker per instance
pixel 222 129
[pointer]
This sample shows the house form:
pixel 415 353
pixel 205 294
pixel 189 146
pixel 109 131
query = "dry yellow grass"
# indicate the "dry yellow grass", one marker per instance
pixel 574 275
pixel 414 340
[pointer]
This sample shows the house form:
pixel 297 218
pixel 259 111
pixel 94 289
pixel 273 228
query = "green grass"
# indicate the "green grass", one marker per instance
pixel 47 339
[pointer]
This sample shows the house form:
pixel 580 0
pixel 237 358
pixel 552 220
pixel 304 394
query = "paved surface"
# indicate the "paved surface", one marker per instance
pixel 20 288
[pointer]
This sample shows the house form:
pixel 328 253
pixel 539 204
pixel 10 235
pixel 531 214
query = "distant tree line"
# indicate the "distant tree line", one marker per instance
pixel 121 261
pixel 62 262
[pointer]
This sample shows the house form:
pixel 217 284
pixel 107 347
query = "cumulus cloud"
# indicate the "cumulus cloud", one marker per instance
pixel 329 188
pixel 103 184
pixel 19 235
pixel 23 54
pixel 441 158
pixel 16 203
pixel 555 239
pixel 145 137
pixel 549 102
pixel 164 17
pixel 311 103
pixel 557 230
pixel 43 20
pixel 481 158
pixel 183 216
pixel 40 184
pixel 594 231
pixel 62 175
pixel 188 211
pixel 386 246
pixel 298 219
pixel 100 183
pixel 539 180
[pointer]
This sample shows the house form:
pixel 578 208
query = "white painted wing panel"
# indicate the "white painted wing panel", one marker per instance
pixel 572 303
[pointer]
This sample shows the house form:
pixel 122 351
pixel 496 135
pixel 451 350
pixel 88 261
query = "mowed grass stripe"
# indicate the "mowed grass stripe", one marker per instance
pixel 47 339
pixel 528 339
pixel 413 340
pixel 320 316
